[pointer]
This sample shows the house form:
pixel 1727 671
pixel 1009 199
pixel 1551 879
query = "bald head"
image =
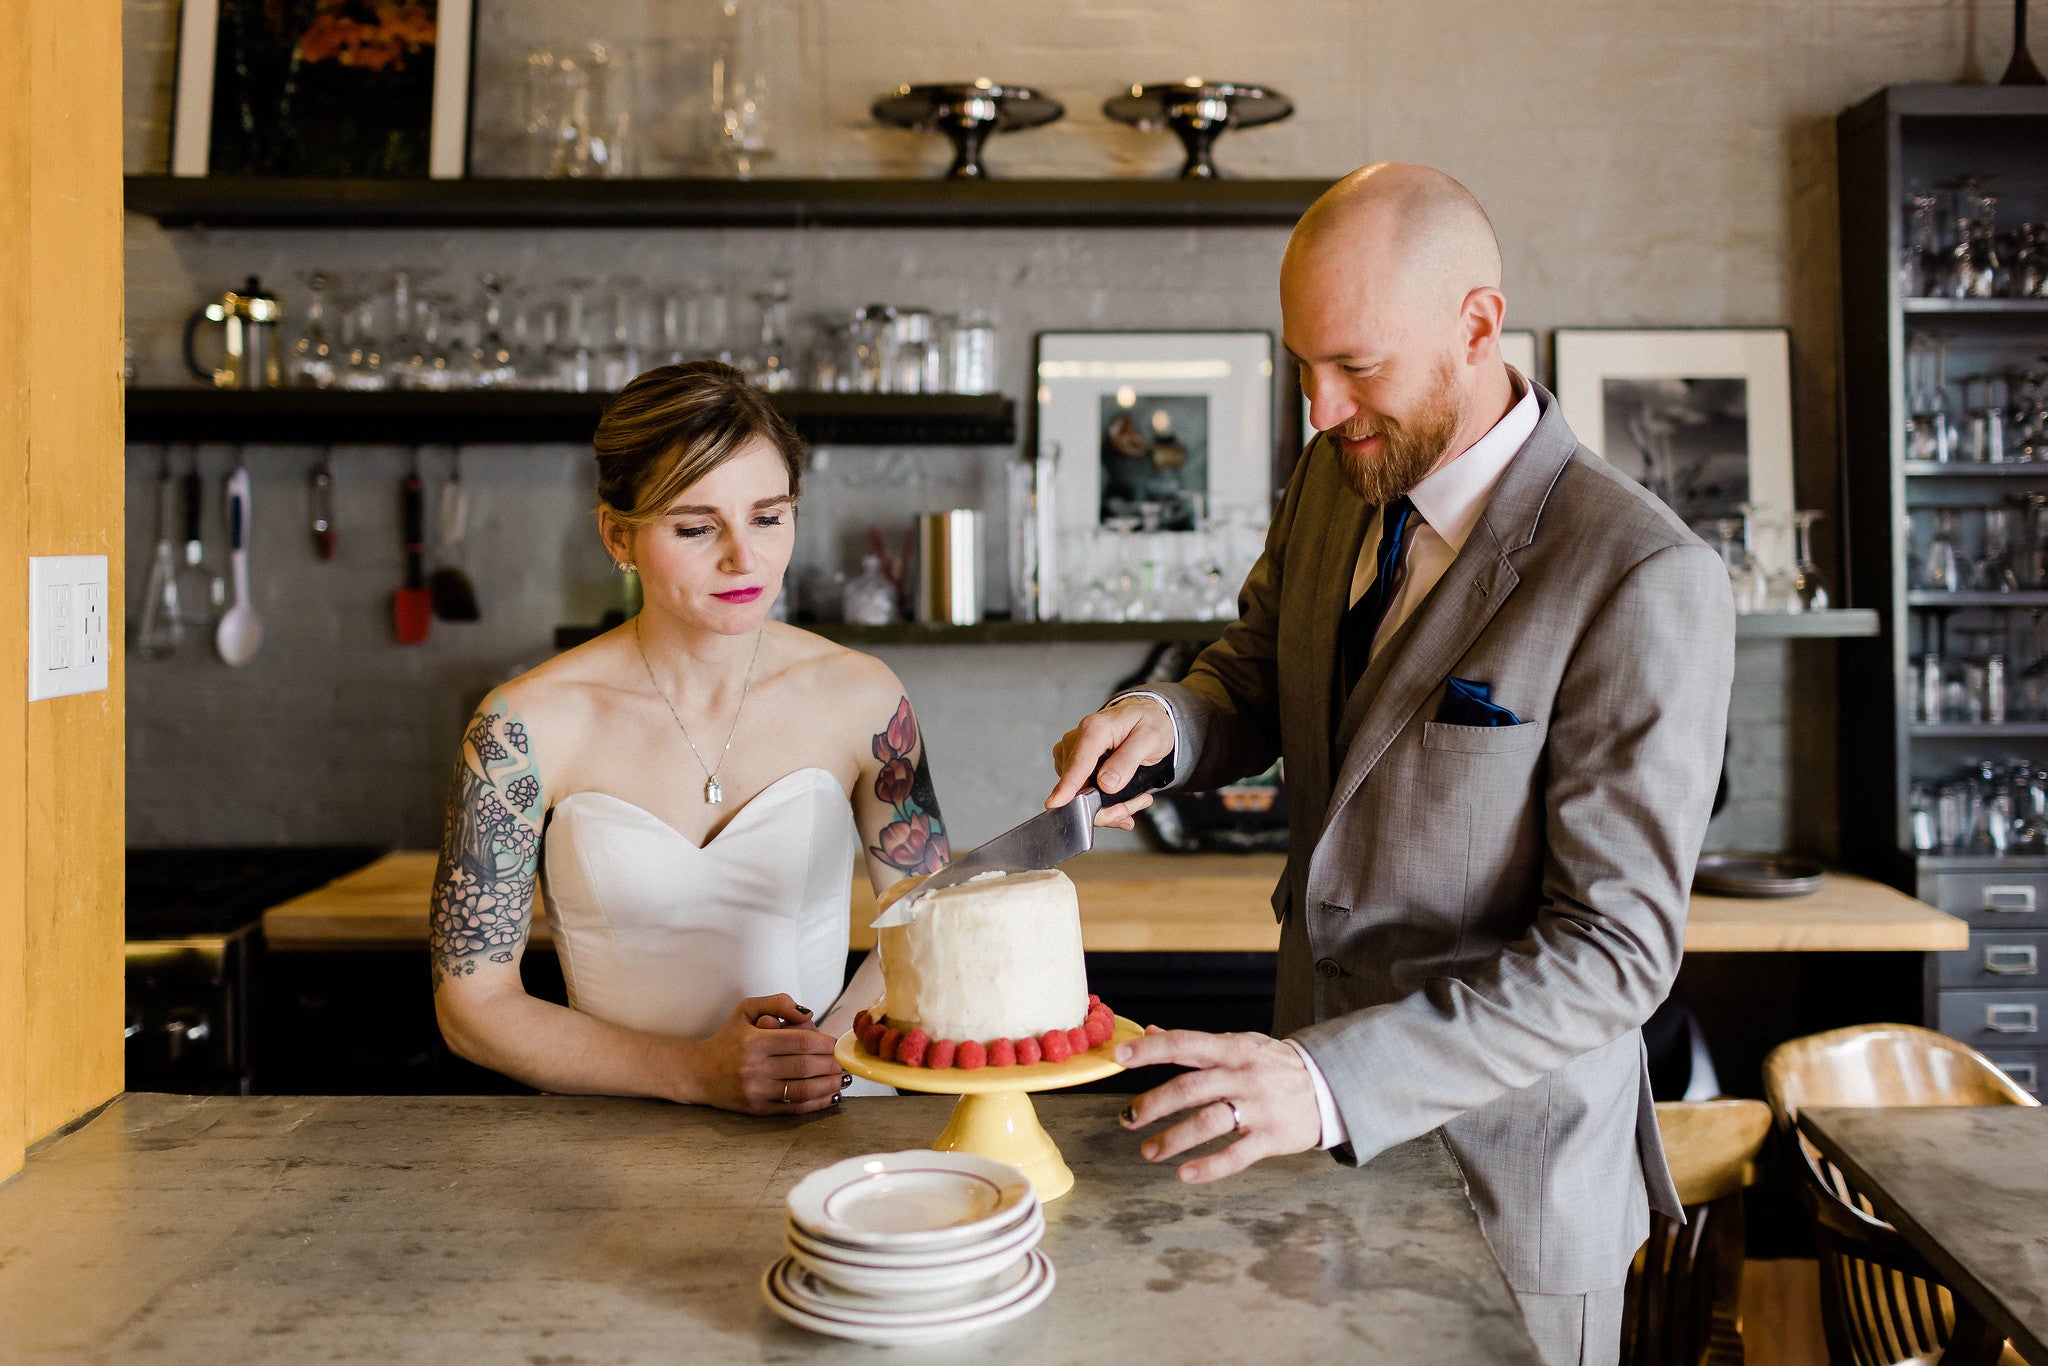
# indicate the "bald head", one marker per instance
pixel 1412 231
pixel 1390 298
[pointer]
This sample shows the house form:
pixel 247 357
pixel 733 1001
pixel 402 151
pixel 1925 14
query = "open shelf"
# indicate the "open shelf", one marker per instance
pixel 526 416
pixel 256 202
pixel 1924 597
pixel 2017 308
pixel 1959 730
pixel 1975 469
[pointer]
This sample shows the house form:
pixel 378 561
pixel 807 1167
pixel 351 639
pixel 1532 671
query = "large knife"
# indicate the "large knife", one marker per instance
pixel 1051 837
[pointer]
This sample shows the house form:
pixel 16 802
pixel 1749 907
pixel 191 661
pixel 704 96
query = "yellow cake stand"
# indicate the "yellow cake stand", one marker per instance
pixel 994 1117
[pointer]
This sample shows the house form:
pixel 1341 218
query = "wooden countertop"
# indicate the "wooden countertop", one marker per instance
pixel 1168 903
pixel 432 1229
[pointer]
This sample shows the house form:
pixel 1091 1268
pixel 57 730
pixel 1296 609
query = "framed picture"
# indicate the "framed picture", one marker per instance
pixel 1516 348
pixel 1702 417
pixel 343 88
pixel 1155 431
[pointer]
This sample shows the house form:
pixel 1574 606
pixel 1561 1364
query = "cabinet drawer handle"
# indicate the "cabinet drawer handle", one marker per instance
pixel 2011 960
pixel 2016 899
pixel 2012 1019
pixel 2024 1074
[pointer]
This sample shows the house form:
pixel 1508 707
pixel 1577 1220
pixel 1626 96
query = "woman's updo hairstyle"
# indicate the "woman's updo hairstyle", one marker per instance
pixel 675 424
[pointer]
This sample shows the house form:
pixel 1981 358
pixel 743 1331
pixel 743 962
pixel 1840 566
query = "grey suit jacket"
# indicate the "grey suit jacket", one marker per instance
pixel 1475 922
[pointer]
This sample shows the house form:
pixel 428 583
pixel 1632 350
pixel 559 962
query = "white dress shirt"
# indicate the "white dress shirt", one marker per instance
pixel 1448 504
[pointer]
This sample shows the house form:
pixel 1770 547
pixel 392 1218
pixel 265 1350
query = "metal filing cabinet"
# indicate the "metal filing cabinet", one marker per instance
pixel 1993 995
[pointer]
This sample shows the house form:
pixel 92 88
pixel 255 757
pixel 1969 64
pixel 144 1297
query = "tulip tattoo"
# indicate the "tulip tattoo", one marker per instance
pixel 915 842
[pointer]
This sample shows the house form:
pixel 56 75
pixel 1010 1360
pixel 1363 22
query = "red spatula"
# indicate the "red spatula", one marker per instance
pixel 412 607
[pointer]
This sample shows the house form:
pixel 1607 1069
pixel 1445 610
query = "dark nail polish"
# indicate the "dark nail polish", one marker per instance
pixel 803 1010
pixel 835 1097
pixel 845 1079
pixel 1129 1116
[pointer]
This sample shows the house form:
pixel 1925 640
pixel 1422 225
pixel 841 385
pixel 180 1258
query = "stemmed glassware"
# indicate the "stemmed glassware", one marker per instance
pixel 1941 569
pixel 620 360
pixel 1806 592
pixel 492 361
pixel 314 360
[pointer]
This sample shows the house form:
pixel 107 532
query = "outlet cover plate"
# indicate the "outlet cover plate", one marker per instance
pixel 67 625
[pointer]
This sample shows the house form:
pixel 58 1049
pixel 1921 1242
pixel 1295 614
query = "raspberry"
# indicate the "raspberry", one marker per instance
pixel 1093 1000
pixel 1077 1039
pixel 861 1023
pixel 1002 1053
pixel 1098 1030
pixel 970 1056
pixel 1029 1053
pixel 1056 1046
pixel 890 1039
pixel 911 1051
pixel 871 1038
pixel 941 1056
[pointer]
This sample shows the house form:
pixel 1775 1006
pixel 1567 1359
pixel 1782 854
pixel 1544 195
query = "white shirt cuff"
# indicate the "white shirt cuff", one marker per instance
pixel 1180 773
pixel 1332 1123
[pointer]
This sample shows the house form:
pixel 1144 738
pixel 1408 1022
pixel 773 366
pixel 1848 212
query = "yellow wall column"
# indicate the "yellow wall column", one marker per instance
pixel 61 760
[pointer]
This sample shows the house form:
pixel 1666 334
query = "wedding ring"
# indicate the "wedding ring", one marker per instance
pixel 1236 1120
pixel 785 1095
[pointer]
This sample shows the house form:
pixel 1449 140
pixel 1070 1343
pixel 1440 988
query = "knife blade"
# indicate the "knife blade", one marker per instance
pixel 1048 839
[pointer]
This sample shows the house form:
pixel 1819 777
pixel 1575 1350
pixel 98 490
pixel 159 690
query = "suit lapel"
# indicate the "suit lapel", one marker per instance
pixel 1420 656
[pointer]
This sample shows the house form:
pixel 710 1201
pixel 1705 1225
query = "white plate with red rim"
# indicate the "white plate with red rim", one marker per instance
pixel 909 1201
pixel 1022 1235
pixel 807 1306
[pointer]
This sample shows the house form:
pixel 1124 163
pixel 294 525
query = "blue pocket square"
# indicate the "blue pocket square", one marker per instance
pixel 1471 704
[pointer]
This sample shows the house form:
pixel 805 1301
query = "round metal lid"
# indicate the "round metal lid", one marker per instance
pixel 1152 106
pixel 1757 875
pixel 919 106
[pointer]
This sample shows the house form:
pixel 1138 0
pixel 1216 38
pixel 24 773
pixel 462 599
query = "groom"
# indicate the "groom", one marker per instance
pixel 1498 672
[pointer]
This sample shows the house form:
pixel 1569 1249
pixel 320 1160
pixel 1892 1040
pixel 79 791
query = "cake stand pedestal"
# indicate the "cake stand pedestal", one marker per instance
pixel 994 1117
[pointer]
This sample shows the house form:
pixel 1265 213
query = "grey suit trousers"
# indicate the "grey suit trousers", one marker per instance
pixel 1576 1330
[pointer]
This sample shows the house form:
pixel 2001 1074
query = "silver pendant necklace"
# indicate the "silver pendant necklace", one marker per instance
pixel 714 791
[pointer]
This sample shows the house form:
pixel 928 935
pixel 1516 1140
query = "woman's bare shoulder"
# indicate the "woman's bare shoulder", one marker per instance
pixel 560 700
pixel 854 681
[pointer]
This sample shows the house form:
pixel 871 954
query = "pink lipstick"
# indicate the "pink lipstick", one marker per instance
pixel 738 595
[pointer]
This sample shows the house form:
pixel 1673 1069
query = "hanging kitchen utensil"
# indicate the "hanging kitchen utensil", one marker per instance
pixel 453 594
pixel 204 595
pixel 162 629
pixel 412 607
pixel 321 496
pixel 240 632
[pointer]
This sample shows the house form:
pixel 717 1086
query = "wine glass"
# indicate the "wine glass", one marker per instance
pixel 312 362
pixel 1808 594
pixel 619 362
pixel 491 359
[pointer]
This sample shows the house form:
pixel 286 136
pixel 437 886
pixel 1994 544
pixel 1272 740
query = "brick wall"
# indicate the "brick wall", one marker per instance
pixel 1646 164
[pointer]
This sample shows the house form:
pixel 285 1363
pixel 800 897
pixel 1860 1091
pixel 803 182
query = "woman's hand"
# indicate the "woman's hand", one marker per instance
pixel 768 1059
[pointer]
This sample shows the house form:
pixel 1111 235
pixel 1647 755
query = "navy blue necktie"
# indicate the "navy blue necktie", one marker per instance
pixel 1362 619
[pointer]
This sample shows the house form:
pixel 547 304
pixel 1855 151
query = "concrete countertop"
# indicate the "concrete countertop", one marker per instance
pixel 1173 903
pixel 572 1229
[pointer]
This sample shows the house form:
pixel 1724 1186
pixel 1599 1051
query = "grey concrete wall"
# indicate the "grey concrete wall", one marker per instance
pixel 1646 163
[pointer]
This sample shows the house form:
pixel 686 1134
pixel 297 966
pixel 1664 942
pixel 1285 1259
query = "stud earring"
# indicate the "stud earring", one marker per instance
pixel 623 567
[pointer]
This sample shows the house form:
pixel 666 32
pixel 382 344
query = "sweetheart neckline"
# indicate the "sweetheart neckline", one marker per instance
pixel 730 821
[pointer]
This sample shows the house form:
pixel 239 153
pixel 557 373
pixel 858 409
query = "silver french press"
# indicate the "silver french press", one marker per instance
pixel 249 321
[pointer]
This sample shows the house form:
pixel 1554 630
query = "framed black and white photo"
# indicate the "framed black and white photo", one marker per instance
pixel 1702 417
pixel 341 88
pixel 1149 431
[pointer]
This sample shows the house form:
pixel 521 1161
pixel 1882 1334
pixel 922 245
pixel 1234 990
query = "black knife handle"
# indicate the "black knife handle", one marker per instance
pixel 1148 778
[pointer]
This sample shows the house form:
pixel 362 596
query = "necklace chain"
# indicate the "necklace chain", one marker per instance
pixel 714 791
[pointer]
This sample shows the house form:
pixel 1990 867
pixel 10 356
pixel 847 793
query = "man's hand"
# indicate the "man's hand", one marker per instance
pixel 1132 732
pixel 1264 1078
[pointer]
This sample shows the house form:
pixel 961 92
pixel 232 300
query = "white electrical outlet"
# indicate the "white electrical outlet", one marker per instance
pixel 67 625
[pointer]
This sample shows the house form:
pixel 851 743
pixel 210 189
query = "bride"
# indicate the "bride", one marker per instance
pixel 689 789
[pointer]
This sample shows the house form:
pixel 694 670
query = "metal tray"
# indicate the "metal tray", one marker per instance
pixel 1762 876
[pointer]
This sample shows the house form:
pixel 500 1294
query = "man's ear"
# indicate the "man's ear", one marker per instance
pixel 1484 315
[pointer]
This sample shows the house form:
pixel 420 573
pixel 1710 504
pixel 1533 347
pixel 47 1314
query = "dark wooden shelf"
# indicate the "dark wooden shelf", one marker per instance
pixel 526 416
pixel 253 202
pixel 1926 597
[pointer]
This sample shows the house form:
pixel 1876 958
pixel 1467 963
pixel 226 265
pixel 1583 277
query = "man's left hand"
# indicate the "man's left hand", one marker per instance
pixel 1264 1078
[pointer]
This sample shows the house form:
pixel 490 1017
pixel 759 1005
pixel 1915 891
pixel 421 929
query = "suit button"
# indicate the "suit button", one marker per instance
pixel 1328 968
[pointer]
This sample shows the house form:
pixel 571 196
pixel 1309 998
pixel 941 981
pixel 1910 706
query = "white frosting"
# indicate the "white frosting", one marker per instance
pixel 998 957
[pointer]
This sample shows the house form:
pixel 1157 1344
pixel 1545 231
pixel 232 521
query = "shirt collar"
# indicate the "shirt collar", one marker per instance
pixel 1453 495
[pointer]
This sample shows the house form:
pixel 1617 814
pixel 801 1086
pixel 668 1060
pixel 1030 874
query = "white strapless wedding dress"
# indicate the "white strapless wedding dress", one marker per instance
pixel 657 934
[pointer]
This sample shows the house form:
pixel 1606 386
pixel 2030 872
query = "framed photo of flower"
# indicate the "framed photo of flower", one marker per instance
pixel 336 88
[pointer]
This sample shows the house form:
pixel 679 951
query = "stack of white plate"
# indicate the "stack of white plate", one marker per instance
pixel 902 1248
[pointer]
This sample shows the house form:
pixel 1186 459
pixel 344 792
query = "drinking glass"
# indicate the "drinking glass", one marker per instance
pixel 772 366
pixel 492 362
pixel 619 362
pixel 310 363
pixel 1983 426
pixel 740 90
pixel 1807 594
pixel 1993 571
pixel 1930 430
pixel 575 364
pixel 1940 569
pixel 974 355
pixel 1926 834
pixel 1923 265
pixel 1746 573
pixel 1975 255
pixel 363 368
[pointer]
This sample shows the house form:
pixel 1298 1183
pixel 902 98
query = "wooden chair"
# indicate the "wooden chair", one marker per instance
pixel 1881 1303
pixel 1685 1288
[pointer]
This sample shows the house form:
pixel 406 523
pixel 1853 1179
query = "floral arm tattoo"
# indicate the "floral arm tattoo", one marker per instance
pixel 915 841
pixel 490 848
